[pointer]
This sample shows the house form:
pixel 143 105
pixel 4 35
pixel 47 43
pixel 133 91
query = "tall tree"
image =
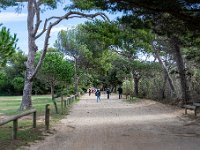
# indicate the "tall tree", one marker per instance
pixel 67 43
pixel 166 25
pixel 34 23
pixel 55 70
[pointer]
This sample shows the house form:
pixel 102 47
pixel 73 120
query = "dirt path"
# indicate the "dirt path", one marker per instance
pixel 116 125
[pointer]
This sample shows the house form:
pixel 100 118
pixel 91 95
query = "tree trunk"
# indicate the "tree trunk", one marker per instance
pixel 76 77
pixel 53 98
pixel 164 84
pixel 181 69
pixel 166 73
pixel 136 85
pixel 136 78
pixel 132 83
pixel 26 102
pixel 27 92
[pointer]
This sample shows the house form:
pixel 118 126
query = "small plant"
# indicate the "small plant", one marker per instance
pixel 132 99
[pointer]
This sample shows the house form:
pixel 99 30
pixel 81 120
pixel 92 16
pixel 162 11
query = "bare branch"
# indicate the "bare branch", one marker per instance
pixel 38 21
pixel 51 25
pixel 69 15
pixel 44 29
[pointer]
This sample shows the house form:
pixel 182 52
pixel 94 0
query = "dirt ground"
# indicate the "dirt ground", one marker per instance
pixel 114 124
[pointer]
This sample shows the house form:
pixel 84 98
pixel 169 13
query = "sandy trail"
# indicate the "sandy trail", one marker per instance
pixel 116 125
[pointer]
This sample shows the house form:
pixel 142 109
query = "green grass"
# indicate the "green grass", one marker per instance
pixel 9 105
pixel 132 99
pixel 24 136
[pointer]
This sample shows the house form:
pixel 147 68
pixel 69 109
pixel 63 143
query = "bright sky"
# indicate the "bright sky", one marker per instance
pixel 16 22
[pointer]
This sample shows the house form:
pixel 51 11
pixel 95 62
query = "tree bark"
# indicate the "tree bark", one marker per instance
pixel 27 91
pixel 131 83
pixel 166 73
pixel 75 77
pixel 136 78
pixel 181 69
pixel 163 87
pixel 53 98
pixel 136 86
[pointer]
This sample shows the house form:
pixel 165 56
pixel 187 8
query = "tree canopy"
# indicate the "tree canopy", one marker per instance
pixel 185 10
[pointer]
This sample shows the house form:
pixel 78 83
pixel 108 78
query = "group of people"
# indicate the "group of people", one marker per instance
pixel 108 92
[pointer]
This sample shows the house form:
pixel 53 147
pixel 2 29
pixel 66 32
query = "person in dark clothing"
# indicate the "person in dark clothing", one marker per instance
pixel 89 92
pixel 98 94
pixel 120 91
pixel 108 93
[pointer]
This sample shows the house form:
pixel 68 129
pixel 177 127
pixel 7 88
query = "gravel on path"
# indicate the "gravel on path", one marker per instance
pixel 114 124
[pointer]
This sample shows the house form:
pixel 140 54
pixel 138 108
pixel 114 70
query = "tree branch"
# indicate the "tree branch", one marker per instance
pixel 19 1
pixel 38 21
pixel 69 15
pixel 51 25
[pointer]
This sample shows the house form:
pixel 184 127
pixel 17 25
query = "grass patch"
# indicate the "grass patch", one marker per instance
pixel 9 106
pixel 24 137
pixel 132 99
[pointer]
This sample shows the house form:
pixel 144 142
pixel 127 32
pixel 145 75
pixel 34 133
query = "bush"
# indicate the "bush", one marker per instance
pixel 18 83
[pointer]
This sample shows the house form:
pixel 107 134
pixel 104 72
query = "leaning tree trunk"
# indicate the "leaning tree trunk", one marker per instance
pixel 166 73
pixel 181 69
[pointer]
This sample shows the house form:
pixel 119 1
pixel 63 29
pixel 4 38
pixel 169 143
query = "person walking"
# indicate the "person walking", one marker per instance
pixel 98 95
pixel 89 92
pixel 120 91
pixel 108 93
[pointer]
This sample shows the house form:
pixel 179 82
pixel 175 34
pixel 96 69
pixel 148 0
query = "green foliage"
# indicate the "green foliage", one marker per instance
pixel 70 43
pixel 6 3
pixel 81 4
pixel 99 35
pixel 13 74
pixel 127 87
pixel 193 54
pixel 105 61
pixel 3 79
pixel 7 45
pixel 177 8
pixel 67 42
pixel 18 83
pixel 55 69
